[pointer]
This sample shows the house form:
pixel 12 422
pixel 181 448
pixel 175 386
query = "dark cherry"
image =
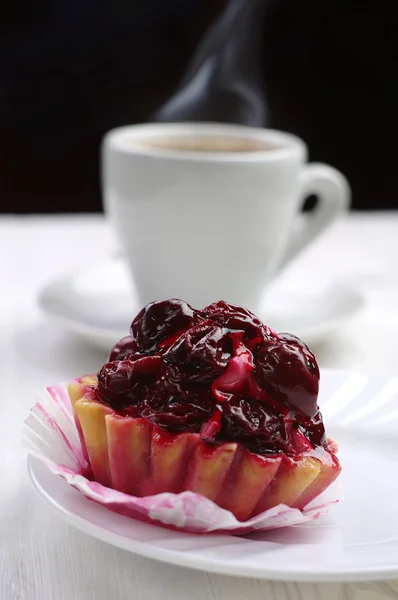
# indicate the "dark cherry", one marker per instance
pixel 200 354
pixel 287 370
pixel 176 407
pixel 314 431
pixel 308 356
pixel 120 382
pixel 127 347
pixel 237 318
pixel 254 425
pixel 159 320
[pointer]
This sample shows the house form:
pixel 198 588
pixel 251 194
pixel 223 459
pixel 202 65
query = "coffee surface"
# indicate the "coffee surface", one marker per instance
pixel 207 144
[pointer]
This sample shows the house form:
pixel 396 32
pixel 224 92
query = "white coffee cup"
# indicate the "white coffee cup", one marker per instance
pixel 206 211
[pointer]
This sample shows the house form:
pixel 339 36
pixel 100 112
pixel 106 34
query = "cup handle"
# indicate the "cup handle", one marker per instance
pixel 334 198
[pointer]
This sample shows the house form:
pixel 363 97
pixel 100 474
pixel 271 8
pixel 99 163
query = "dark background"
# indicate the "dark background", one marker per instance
pixel 72 69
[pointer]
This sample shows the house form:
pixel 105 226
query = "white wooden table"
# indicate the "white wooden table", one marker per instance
pixel 42 558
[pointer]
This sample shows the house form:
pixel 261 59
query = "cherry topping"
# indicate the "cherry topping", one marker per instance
pixel 220 372
pixel 199 354
pixel 176 407
pixel 314 431
pixel 287 370
pixel 125 348
pixel 254 425
pixel 159 320
pixel 120 382
pixel 236 376
pixel 236 318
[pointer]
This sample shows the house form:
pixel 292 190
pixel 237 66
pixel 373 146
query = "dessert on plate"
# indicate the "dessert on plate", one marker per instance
pixel 211 401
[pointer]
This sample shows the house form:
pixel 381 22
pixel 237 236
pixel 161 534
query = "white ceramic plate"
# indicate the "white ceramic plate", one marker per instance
pixel 98 303
pixel 357 540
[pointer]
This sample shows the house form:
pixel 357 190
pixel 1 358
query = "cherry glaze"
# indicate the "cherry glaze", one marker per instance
pixel 218 371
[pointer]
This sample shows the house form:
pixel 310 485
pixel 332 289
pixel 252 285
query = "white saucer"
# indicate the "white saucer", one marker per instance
pixel 98 303
pixel 356 541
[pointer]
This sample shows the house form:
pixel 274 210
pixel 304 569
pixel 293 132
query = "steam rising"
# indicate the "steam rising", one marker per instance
pixel 222 82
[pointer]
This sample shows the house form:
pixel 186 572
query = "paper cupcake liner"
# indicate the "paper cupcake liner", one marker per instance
pixel 51 435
